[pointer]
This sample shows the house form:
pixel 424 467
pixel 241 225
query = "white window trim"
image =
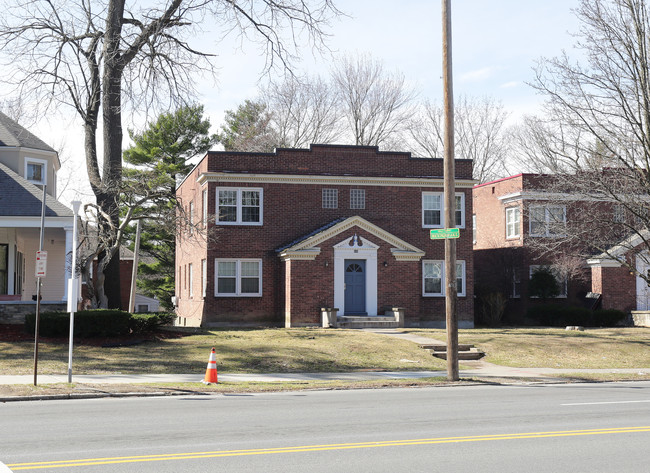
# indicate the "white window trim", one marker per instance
pixel 204 277
pixel 43 163
pixel 546 233
pixel 474 229
pixel 204 210
pixel 190 270
pixel 516 224
pixel 237 292
pixel 239 190
pixel 443 284
pixel 564 285
pixel 442 209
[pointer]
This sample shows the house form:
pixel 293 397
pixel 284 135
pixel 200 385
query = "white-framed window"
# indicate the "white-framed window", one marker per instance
pixel 547 221
pixel 433 278
pixel 433 206
pixel 561 279
pixel 204 277
pixel 619 214
pixel 190 280
pixel 357 198
pixel 142 308
pixel 330 198
pixel 516 283
pixel 474 231
pixel 36 171
pixel 239 206
pixel 513 222
pixel 238 277
pixel 191 217
pixel 204 210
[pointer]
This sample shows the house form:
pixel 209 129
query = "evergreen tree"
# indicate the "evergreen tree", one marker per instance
pixel 158 158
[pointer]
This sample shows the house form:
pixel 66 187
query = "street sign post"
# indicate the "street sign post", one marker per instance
pixel 445 233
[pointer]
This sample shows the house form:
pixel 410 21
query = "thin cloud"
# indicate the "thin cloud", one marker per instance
pixel 478 75
pixel 510 85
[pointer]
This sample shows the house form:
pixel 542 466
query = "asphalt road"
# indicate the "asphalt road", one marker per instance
pixel 558 428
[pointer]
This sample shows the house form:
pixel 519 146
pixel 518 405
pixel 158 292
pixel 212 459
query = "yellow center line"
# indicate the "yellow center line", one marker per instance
pixel 315 448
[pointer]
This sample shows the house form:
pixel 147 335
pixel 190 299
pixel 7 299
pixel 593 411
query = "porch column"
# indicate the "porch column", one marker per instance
pixel 68 261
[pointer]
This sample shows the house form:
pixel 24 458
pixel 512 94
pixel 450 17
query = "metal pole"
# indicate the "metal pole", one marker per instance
pixel 38 292
pixel 73 286
pixel 450 197
pixel 134 273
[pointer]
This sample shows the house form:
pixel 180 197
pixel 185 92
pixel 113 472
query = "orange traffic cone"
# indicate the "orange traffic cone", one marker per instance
pixel 211 371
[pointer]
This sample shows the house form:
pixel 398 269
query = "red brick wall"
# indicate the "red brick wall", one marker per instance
pixel 617 286
pixel 293 210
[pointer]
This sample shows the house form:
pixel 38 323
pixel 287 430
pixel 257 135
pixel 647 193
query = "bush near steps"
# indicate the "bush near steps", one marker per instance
pixel 96 323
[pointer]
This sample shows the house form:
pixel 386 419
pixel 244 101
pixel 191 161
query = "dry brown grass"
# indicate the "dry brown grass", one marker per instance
pixel 238 351
pixel 558 348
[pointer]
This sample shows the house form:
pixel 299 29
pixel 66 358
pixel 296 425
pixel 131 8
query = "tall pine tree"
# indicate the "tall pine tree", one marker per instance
pixel 158 159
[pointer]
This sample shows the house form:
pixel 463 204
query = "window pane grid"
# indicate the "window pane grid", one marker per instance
pixel 357 198
pixel 239 278
pixel 330 198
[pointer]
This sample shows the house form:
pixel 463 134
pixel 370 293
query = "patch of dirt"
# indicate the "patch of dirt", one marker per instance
pixel 17 333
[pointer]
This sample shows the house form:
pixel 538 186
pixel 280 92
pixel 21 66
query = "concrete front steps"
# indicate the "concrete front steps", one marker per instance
pixel 465 352
pixel 364 321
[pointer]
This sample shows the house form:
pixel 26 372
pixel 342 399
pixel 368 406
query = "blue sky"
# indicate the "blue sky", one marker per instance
pixel 495 45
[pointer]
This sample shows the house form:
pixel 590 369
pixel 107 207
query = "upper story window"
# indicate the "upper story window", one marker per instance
pixel 619 214
pixel 36 170
pixel 547 221
pixel 474 231
pixel 433 210
pixel 330 198
pixel 239 206
pixel 357 198
pixel 513 222
pixel 433 278
pixel 191 217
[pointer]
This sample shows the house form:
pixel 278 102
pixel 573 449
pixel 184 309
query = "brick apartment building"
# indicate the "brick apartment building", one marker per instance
pixel 510 214
pixel 291 232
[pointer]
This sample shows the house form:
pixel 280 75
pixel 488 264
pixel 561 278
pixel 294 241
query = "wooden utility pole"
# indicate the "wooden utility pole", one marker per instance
pixel 450 197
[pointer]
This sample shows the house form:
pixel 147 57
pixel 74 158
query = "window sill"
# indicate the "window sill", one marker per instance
pixel 237 295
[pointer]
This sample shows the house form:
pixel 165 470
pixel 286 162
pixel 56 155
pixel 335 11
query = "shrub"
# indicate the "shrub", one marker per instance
pixel 493 306
pixel 555 315
pixel 96 323
pixel 147 322
pixel 608 317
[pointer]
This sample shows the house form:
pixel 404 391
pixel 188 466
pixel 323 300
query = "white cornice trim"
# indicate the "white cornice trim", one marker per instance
pixel 308 249
pixel 329 180
pixel 604 263
pixel 35 222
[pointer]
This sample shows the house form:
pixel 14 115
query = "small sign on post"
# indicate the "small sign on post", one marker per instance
pixel 445 233
pixel 41 264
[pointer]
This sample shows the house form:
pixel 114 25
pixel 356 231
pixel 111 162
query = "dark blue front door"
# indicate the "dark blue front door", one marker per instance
pixel 355 286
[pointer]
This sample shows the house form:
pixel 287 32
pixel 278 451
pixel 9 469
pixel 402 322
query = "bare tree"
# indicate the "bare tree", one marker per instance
pixel 375 103
pixel 597 127
pixel 479 130
pixel 102 58
pixel 304 110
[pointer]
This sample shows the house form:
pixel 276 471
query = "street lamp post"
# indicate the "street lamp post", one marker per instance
pixel 73 285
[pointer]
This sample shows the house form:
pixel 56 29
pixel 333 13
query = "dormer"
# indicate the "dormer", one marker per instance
pixel 27 155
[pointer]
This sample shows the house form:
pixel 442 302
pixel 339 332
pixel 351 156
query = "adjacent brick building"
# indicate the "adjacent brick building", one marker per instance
pixel 274 237
pixel 511 214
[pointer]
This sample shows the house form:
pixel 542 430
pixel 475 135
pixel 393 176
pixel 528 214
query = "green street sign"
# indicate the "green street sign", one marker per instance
pixel 444 233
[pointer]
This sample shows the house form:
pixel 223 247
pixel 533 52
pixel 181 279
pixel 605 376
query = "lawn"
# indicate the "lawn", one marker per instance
pixel 558 348
pixel 238 351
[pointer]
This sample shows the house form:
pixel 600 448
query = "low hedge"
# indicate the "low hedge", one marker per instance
pixel 560 316
pixel 96 323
